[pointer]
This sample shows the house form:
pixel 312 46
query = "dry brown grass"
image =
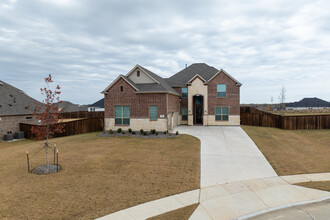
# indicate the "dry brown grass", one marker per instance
pixel 179 214
pixel 99 176
pixel 321 185
pixel 293 152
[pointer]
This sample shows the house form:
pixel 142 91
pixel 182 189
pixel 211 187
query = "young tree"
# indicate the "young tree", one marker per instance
pixel 282 97
pixel 48 115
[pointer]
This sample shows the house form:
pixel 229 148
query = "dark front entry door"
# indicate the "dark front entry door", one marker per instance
pixel 199 115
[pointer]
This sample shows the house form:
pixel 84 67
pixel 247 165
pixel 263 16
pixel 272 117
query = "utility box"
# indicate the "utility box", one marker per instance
pixel 19 135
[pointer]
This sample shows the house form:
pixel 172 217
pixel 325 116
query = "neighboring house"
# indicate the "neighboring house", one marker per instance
pixel 97 106
pixel 15 107
pixel 67 106
pixel 308 103
pixel 197 95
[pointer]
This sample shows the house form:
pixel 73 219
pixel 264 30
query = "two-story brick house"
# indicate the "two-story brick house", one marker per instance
pixel 199 94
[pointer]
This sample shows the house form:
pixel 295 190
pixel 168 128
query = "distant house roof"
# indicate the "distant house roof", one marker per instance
pixel 14 101
pixel 309 102
pixel 98 104
pixel 70 107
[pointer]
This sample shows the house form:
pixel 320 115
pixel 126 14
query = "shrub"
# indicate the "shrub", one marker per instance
pixel 156 133
pixel 111 131
pixel 129 130
pixel 119 130
pixel 153 131
pixel 133 132
pixel 176 133
pixel 164 132
pixel 141 131
pixel 123 132
pixel 144 133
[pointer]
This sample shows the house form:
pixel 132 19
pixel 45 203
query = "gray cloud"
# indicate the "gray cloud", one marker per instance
pixel 86 44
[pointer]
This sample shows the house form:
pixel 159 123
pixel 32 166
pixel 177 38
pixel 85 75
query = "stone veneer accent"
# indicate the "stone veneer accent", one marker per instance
pixel 233 120
pixel 137 124
pixel 197 87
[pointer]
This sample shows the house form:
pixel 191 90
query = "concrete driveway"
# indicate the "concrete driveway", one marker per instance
pixel 228 155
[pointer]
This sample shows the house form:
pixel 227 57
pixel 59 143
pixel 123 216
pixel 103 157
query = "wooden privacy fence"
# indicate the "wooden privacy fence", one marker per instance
pixel 83 114
pixel 71 128
pixel 253 116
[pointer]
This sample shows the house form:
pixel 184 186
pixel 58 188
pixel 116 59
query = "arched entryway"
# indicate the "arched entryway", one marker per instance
pixel 198 109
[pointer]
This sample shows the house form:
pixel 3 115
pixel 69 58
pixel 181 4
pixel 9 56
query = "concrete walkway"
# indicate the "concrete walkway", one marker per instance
pixel 227 155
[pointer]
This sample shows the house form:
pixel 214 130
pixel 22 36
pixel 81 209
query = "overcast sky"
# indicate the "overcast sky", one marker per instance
pixel 86 44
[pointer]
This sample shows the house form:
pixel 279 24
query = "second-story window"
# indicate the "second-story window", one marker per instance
pixel 221 90
pixel 138 73
pixel 184 92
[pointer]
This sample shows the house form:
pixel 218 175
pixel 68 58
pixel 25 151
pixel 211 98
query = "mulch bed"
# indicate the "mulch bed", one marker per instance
pixel 138 134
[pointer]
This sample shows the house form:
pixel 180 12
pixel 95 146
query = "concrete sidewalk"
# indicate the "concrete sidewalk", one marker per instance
pixel 236 199
pixel 227 155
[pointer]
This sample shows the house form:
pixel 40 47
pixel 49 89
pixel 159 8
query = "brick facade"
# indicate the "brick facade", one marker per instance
pixel 11 123
pixel 232 99
pixel 139 103
pixel 173 103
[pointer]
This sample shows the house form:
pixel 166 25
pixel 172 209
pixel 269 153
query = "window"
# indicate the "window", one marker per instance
pixel 153 112
pixel 122 115
pixel 28 117
pixel 138 73
pixel 221 114
pixel 221 90
pixel 121 88
pixel 184 92
pixel 184 112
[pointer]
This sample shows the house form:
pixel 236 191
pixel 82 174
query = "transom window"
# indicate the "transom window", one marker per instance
pixel 184 112
pixel 221 113
pixel 153 112
pixel 184 92
pixel 221 90
pixel 122 115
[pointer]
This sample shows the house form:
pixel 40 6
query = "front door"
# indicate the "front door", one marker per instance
pixel 199 115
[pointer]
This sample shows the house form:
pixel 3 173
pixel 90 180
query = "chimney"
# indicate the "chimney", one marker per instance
pixel 186 65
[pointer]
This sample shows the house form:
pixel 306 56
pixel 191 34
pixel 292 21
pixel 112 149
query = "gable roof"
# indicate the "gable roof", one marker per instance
pixel 237 83
pixel 98 104
pixel 202 70
pixel 14 101
pixel 196 76
pixel 182 78
pixel 160 85
pixel 309 102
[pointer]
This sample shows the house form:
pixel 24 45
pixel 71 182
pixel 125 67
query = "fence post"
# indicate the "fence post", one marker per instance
pixel 54 152
pixel 28 163
pixel 57 160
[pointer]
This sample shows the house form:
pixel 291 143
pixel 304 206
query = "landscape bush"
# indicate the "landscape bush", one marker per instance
pixel 129 130
pixel 123 132
pixel 144 133
pixel 141 131
pixel 176 133
pixel 119 130
pixel 133 132
pixel 111 131
pixel 153 131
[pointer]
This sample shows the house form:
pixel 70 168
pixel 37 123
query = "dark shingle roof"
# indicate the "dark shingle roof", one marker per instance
pixel 70 107
pixel 181 78
pixel 162 86
pixel 309 102
pixel 14 101
pixel 98 104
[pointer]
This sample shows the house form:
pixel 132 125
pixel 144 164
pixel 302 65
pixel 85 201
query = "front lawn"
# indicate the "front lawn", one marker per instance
pixel 293 151
pixel 100 175
pixel 321 185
